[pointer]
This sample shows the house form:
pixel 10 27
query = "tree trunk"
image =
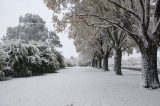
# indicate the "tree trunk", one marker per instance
pixel 117 61
pixel 149 68
pixel 92 63
pixel 95 63
pixel 99 62
pixel 105 62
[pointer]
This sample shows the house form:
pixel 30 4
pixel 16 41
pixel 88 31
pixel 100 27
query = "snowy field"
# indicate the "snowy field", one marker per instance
pixel 78 87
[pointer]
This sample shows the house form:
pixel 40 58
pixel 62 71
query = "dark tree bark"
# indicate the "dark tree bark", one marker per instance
pixel 92 63
pixel 95 64
pixel 117 61
pixel 99 62
pixel 149 67
pixel 105 61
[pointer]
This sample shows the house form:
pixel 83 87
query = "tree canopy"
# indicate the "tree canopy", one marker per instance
pixel 127 23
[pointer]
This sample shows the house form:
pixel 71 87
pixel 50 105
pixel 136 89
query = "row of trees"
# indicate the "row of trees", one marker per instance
pixel 29 49
pixel 102 26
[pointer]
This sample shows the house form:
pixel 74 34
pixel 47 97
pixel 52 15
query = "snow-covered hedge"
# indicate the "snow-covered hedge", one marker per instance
pixel 20 59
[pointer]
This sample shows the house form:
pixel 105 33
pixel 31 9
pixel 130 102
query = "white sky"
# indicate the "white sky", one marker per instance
pixel 10 10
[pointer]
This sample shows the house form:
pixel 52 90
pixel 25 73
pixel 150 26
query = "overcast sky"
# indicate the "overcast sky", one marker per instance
pixel 10 10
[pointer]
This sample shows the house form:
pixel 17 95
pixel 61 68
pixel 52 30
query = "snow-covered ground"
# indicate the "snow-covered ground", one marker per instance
pixel 79 86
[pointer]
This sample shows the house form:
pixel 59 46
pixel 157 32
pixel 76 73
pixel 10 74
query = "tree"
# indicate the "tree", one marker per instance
pixel 86 42
pixel 30 48
pixel 108 53
pixel 117 40
pixel 53 39
pixel 136 20
pixel 89 41
pixel 147 37
pixel 32 27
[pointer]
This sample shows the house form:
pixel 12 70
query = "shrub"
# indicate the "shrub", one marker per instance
pixel 69 64
pixel 24 60
pixel 60 59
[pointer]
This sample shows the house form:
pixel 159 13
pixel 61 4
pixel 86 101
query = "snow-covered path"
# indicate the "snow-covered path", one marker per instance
pixel 78 87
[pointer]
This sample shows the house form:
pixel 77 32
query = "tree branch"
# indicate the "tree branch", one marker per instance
pixel 116 24
pixel 157 20
pixel 128 47
pixel 120 45
pixel 127 10
pixel 145 19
